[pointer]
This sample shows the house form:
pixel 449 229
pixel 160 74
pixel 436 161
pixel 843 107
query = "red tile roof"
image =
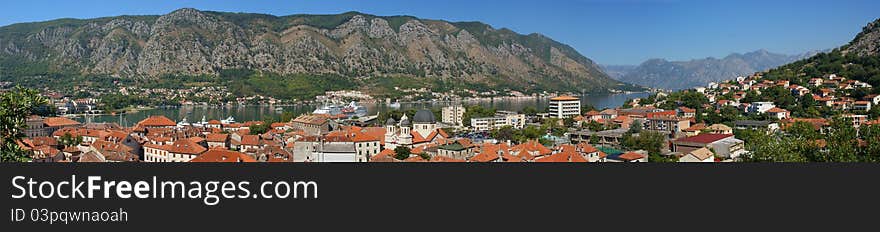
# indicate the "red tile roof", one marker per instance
pixel 59 122
pixel 704 138
pixel 218 138
pixel 630 156
pixel 223 156
pixel 185 146
pixel 156 121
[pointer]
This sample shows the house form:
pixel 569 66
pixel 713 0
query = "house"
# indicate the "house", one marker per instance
pixel 720 129
pixel 592 115
pixel 760 107
pixel 564 107
pixel 35 127
pixel 685 112
pixel 367 141
pixel 622 121
pixel 52 124
pixel 182 150
pixel 700 155
pixel 312 124
pixel 608 114
pixel 726 146
pixel 217 140
pixel 671 126
pixel 531 149
pixel 689 144
pixel 151 122
pixel 778 113
pixel 756 125
pixel 114 152
pixel 695 129
pixel 862 105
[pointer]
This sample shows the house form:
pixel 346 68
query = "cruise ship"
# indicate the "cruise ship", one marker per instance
pixel 353 109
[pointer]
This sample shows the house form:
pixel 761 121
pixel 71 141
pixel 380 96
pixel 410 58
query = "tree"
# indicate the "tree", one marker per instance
pixel 650 141
pixel 69 140
pixel 15 107
pixel 425 156
pixel 402 153
pixel 595 126
pixel 258 129
pixel 594 139
pixel 636 127
pixel 803 130
pixel 503 134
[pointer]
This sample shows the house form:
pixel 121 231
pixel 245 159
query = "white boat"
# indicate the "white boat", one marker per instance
pixel 395 105
pixel 228 120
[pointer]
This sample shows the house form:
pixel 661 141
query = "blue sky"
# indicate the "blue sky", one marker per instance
pixel 607 31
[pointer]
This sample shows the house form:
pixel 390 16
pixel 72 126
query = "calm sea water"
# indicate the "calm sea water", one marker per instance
pixel 248 113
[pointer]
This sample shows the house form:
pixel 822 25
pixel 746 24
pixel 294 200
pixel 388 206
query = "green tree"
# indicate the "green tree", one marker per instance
pixel 402 153
pixel 425 156
pixel 69 140
pixel 258 129
pixel 15 106
pixel 650 141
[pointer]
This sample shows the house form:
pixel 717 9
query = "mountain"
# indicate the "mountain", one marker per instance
pixel 857 60
pixel 618 71
pixel 866 43
pixel 676 75
pixel 355 45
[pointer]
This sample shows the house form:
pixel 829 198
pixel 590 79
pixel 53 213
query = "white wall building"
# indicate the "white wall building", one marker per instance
pixel 517 121
pixel 565 107
pixel 454 115
pixel 760 107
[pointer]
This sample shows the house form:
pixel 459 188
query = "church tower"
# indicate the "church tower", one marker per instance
pixel 390 134
pixel 405 137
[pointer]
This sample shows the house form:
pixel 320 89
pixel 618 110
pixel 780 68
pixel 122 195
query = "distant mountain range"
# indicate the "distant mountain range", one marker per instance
pixel 677 75
pixel 193 42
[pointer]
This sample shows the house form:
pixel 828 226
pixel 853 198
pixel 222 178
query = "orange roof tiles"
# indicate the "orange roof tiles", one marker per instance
pixel 185 146
pixel 630 156
pixel 218 138
pixel 251 140
pixel 776 110
pixel 59 122
pixel 223 156
pixel 156 121
pixel 564 98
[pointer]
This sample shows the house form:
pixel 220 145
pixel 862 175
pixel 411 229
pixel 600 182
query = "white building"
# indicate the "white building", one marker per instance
pixel 517 121
pixel 454 115
pixel 760 107
pixel 182 150
pixel 565 107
